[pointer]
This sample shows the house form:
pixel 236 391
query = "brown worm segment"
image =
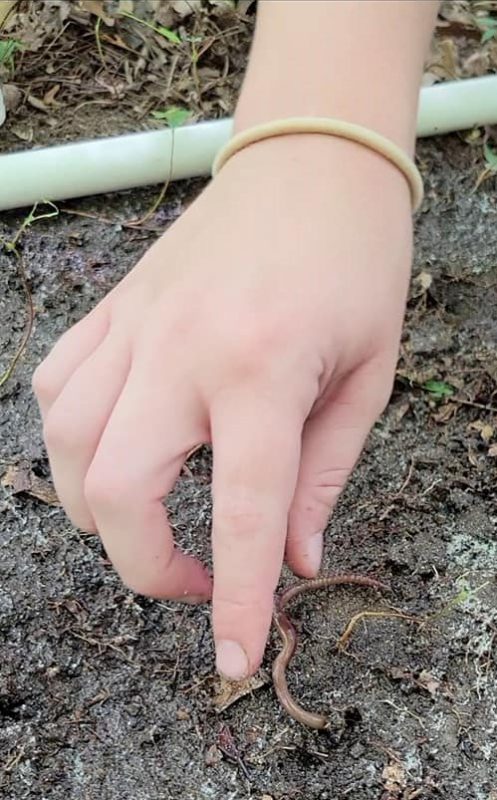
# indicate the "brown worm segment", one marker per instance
pixel 289 638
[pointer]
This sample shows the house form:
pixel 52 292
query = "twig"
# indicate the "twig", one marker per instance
pixel 29 324
pixel 344 638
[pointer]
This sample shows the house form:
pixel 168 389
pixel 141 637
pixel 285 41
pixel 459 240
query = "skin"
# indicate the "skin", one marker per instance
pixel 289 640
pixel 265 321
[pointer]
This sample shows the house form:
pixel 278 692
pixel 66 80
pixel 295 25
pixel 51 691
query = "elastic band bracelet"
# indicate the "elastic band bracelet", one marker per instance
pixel 331 127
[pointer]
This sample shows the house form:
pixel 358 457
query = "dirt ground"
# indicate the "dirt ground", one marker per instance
pixel 107 695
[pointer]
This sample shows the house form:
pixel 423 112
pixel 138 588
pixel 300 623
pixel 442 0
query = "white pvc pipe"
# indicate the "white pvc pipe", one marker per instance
pixel 457 105
pixel 140 159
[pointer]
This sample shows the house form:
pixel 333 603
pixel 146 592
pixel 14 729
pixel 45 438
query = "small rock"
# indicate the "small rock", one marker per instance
pixel 183 8
pixel 357 750
pixel 12 96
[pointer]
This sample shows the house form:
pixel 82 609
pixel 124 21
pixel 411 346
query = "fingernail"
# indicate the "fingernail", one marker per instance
pixel 315 551
pixel 231 660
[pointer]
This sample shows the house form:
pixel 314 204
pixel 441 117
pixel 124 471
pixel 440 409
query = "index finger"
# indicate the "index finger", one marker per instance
pixel 256 457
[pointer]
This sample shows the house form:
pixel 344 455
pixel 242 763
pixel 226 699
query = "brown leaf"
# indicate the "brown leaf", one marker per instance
pixel 428 682
pixel 96 7
pixel 444 61
pixel 12 96
pixel 184 8
pixel 212 756
pixel 425 279
pixel 37 103
pixel 24 132
pixel 473 457
pixel 445 413
pixel 484 429
pixel 492 450
pixel 22 480
pixel 228 692
pixel 400 410
pixel 394 776
pixel 49 97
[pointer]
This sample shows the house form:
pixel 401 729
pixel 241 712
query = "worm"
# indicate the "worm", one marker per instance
pixel 289 638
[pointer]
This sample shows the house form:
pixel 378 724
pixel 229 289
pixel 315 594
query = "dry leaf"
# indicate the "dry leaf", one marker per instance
pixel 444 61
pixel 96 7
pixel 22 480
pixel 484 429
pixel 400 410
pixel 184 8
pixel 212 756
pixel 23 132
pixel 37 103
pixel 445 413
pixel 49 97
pixel 473 457
pixel 394 776
pixel 12 96
pixel 428 682
pixel 492 450
pixel 228 692
pixel 425 280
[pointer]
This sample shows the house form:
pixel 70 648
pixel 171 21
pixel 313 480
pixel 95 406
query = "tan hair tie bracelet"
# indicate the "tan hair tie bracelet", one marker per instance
pixel 332 127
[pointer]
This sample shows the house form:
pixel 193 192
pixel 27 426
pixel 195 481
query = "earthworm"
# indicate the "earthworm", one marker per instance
pixel 289 637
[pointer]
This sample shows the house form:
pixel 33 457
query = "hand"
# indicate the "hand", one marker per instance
pixel 265 321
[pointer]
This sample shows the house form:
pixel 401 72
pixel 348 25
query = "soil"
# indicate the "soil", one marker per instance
pixel 104 694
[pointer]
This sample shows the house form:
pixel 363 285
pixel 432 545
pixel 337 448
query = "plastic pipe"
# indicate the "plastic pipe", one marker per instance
pixel 457 105
pixel 140 159
pixel 109 165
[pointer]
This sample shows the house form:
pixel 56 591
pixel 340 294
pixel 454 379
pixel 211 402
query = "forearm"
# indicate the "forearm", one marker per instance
pixel 359 60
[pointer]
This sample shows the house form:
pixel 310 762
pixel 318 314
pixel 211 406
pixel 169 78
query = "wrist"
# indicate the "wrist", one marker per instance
pixel 312 168
pixel 354 60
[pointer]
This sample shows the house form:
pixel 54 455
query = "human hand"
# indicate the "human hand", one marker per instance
pixel 265 321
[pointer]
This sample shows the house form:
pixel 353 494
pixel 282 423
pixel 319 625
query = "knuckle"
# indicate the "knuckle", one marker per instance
pixel 256 343
pixel 105 489
pixel 109 488
pixel 239 519
pixel 331 479
pixel 248 599
pixel 60 433
pixel 323 492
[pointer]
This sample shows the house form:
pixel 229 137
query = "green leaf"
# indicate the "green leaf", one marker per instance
pixel 488 26
pixel 7 49
pixel 174 116
pixel 490 157
pixel 168 34
pixel 439 388
pixel 490 33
